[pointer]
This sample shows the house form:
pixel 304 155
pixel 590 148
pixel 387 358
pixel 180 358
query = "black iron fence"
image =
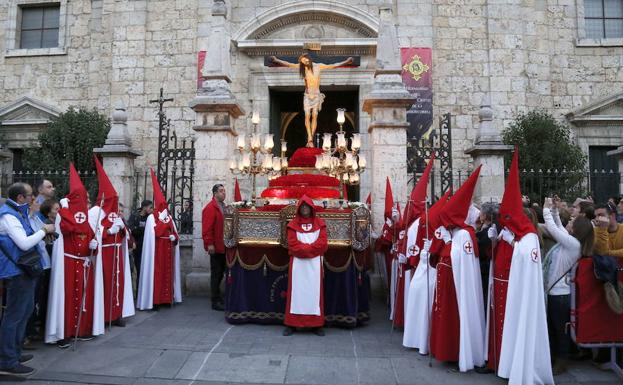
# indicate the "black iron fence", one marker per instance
pixel 60 179
pixel 538 184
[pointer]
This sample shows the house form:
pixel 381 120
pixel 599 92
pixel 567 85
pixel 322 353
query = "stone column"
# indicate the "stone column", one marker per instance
pixel 489 151
pixel 618 153
pixel 118 156
pixel 216 109
pixel 387 104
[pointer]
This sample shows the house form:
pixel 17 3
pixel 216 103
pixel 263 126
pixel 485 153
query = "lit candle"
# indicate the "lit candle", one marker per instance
pixel 246 160
pixel 326 141
pixel 269 143
pixel 345 177
pixel 355 166
pixel 355 179
pixel 362 162
pixel 341 140
pixel 349 159
pixel 318 164
pixel 284 146
pixel 255 119
pixel 241 142
pixel 268 162
pixel 284 162
pixel 277 163
pixel 255 142
pixel 340 116
pixel 232 164
pixel 356 142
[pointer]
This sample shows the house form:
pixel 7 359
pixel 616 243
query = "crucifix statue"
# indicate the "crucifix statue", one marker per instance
pixel 313 98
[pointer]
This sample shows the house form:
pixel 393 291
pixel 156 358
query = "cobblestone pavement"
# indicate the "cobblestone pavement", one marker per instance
pixel 191 344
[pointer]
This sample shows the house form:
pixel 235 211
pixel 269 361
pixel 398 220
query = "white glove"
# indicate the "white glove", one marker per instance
pixel 402 258
pixel 424 256
pixel 507 236
pixel 492 233
pixel 163 215
pixel 116 226
pixel 172 238
pixel 426 246
pixel 64 203
pixel 443 234
pixel 93 244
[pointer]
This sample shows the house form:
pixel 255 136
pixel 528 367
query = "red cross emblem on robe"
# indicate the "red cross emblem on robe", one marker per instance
pixel 469 249
pixel 80 217
pixel 306 226
pixel 112 216
pixel 438 234
pixel 534 254
pixel 166 219
pixel 414 250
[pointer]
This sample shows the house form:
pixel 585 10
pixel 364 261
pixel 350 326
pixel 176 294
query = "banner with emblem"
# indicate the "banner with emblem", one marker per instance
pixel 417 66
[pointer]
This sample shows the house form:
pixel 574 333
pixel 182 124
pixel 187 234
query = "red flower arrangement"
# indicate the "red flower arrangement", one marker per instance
pixel 304 157
pixel 298 192
pixel 302 180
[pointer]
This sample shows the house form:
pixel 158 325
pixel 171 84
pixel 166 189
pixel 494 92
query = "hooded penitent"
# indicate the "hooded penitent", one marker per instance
pixel 518 342
pixel 114 253
pixel 457 332
pixel 307 243
pixel 75 281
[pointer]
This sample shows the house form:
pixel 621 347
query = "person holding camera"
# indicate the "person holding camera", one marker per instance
pixel 20 263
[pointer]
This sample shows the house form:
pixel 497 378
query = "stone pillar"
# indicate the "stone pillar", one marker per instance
pixel 118 156
pixel 618 153
pixel 216 109
pixel 489 151
pixel 387 104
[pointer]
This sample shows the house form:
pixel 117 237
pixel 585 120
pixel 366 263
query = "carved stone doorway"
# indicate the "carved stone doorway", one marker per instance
pixel 287 119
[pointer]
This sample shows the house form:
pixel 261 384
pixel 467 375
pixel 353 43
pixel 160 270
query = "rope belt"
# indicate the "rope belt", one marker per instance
pixel 500 279
pixel 86 262
pixel 112 244
pixel 164 238
pixel 444 264
pixel 116 267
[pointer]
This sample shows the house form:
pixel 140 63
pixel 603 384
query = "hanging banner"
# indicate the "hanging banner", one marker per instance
pixel 417 66
pixel 201 57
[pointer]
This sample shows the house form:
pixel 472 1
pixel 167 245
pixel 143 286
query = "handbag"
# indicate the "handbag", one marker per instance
pixel 29 263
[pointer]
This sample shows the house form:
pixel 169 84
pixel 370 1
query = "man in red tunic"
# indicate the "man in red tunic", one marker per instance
pixel 160 264
pixel 307 243
pixel 457 332
pixel 76 280
pixel 212 222
pixel 113 253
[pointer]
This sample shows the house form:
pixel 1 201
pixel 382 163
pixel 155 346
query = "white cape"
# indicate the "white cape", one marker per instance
pixel 468 286
pixel 145 297
pixel 420 302
pixel 55 322
pixel 128 295
pixel 305 280
pixel 525 356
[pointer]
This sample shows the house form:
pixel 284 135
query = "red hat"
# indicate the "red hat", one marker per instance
pixel 389 199
pixel 160 202
pixel 77 196
pixel 512 215
pixel 237 195
pixel 106 190
pixel 455 211
pixel 434 211
pixel 418 194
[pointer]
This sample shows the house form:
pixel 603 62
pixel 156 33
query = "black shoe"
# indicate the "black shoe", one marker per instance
pixel 318 331
pixel 86 338
pixel 63 344
pixel 483 370
pixel 25 358
pixel 19 370
pixel 218 306
pixel 287 331
pixel 119 322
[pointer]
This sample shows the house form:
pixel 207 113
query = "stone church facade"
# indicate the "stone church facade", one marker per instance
pixel 490 60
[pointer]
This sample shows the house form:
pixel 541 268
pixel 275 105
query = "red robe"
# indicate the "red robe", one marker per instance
pixel 113 271
pixel 298 249
pixel 76 243
pixel 163 262
pixel 497 304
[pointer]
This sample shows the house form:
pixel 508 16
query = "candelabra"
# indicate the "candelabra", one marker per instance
pixel 255 158
pixel 337 160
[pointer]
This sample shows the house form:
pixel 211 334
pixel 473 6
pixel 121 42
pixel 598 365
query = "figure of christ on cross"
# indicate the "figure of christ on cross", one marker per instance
pixel 312 100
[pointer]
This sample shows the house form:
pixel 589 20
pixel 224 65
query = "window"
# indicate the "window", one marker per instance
pixel 39 27
pixel 603 19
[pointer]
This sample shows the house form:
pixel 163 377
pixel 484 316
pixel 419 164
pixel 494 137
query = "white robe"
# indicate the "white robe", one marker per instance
pixel 525 355
pixel 128 295
pixel 419 302
pixel 305 280
pixel 145 297
pixel 468 286
pixel 55 322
